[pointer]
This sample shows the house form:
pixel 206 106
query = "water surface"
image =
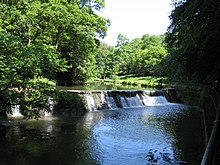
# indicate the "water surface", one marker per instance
pixel 165 134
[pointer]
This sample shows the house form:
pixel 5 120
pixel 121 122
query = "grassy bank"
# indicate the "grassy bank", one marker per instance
pixel 149 81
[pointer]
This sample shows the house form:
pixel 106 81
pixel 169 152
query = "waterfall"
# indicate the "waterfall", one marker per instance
pixel 91 102
pixel 16 111
pixel 51 107
pixel 114 99
pixel 154 100
pixel 124 99
pixel 96 100
pixel 110 99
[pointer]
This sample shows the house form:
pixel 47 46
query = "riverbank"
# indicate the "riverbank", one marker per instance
pixel 149 81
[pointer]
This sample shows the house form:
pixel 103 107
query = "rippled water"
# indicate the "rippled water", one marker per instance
pixel 170 134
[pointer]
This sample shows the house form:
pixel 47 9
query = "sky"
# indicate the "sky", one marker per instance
pixel 135 18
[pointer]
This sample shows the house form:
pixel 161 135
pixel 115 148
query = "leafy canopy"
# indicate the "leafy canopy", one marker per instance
pixel 44 41
pixel 25 74
pixel 193 41
pixel 140 57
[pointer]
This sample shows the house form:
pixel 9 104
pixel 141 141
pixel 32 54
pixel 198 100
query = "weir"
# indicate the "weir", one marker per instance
pixel 15 110
pixel 114 99
pixel 111 99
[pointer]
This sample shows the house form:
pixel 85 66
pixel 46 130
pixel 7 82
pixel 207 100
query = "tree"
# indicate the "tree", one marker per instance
pixel 105 61
pixel 121 39
pixel 71 26
pixel 41 39
pixel 92 4
pixel 141 56
pixel 193 41
pixel 25 77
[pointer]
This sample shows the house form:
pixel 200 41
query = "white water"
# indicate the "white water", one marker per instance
pixel 154 100
pixel 51 106
pixel 111 102
pixel 90 102
pixel 16 111
pixel 122 99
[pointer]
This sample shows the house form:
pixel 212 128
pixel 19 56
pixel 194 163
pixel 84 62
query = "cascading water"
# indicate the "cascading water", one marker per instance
pixel 91 102
pixel 154 100
pixel 114 99
pixel 124 99
pixel 51 106
pixel 96 100
pixel 16 111
pixel 111 99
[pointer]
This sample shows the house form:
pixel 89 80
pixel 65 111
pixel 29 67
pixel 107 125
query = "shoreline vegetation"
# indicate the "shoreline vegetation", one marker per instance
pixel 48 42
pixel 139 81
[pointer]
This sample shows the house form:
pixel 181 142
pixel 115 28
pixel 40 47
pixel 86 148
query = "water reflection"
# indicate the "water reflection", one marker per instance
pixel 153 135
pixel 171 134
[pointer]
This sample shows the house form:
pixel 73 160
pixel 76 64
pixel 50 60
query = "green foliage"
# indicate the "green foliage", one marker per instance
pixel 34 101
pixel 26 72
pixel 42 41
pixel 133 81
pixel 141 57
pixel 70 26
pixel 92 4
pixel 121 39
pixel 148 81
pixel 193 41
pixel 106 61
pixel 69 101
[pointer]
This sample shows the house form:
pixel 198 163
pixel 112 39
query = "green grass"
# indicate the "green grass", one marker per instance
pixel 134 80
pixel 140 81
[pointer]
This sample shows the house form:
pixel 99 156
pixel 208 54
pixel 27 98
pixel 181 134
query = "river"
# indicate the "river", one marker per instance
pixel 160 134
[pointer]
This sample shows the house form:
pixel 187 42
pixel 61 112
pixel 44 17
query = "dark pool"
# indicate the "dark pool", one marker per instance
pixel 169 134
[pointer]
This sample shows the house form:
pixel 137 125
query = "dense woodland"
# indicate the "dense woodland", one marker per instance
pixel 139 57
pixel 193 41
pixel 48 42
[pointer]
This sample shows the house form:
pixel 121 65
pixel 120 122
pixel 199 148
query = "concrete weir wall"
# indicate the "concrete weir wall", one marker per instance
pixel 171 94
pixel 113 99
pixel 148 92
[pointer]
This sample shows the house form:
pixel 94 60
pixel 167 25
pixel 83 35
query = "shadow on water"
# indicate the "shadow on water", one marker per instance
pixel 54 140
pixel 171 134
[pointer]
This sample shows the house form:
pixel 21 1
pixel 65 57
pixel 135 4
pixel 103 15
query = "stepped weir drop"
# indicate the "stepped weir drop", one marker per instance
pixel 114 99
pixel 111 99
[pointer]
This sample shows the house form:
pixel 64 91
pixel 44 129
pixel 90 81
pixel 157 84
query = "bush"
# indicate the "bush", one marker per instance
pixel 69 102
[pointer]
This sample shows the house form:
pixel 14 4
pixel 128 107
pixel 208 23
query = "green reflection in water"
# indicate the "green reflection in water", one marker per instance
pixel 163 134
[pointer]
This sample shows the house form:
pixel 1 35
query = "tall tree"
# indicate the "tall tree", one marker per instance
pixel 72 28
pixel 105 61
pixel 193 41
pixel 25 75
pixel 38 38
pixel 142 55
